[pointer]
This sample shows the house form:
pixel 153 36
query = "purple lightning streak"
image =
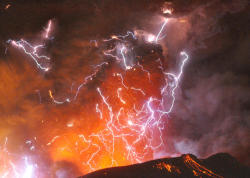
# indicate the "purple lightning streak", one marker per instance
pixel 48 29
pixel 144 122
pixel 162 27
pixel 138 89
pixel 86 80
pixel 122 52
pixel 176 79
pixel 98 110
pixel 28 173
pixel 146 71
pixel 122 80
pixel 119 95
pixel 124 58
pixel 120 37
pixel 32 51
pixel 13 168
pixel 56 101
pixel 131 127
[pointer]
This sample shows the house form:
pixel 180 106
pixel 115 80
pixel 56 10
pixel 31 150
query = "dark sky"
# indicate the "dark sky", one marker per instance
pixel 211 113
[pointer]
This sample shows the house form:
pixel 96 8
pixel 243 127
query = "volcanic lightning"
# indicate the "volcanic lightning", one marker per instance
pixel 130 115
pixel 42 61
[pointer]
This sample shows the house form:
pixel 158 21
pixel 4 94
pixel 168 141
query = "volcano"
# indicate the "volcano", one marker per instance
pixel 108 86
pixel 217 166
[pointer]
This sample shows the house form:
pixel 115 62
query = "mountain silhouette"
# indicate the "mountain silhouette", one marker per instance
pixel 216 166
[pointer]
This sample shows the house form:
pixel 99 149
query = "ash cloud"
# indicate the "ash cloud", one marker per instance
pixel 26 111
pixel 211 113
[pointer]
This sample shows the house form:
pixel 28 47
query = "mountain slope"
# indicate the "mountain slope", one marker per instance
pixel 218 165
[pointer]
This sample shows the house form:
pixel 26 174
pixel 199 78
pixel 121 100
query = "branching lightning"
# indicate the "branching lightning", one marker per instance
pixel 128 126
pixel 140 124
pixel 42 61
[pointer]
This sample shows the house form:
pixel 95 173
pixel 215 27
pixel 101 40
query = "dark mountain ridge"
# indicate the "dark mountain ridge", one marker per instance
pixel 217 166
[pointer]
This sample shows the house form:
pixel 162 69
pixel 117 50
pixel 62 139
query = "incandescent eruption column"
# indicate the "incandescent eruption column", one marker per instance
pixel 133 97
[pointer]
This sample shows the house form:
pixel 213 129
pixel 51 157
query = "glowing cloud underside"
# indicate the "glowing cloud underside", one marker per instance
pixel 132 114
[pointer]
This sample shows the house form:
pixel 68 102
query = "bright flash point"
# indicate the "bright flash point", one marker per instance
pixel 167 11
pixel 114 37
pixel 130 122
pixel 150 38
pixel 7 6
pixel 70 124
pixel 128 147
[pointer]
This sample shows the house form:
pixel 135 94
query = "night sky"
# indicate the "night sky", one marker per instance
pixel 211 110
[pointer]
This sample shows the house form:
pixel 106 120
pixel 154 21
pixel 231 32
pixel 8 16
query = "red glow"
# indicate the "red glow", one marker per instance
pixel 92 149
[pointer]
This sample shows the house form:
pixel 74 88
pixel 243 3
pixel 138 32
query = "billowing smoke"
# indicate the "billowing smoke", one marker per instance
pixel 211 113
pixel 212 109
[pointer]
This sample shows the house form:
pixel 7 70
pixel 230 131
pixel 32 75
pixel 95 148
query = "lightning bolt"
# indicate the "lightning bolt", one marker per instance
pixel 32 50
pixel 143 123
pixel 129 126
pixel 162 28
pixel 48 29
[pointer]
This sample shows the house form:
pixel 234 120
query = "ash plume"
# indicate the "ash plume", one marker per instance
pixel 212 109
pixel 211 112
